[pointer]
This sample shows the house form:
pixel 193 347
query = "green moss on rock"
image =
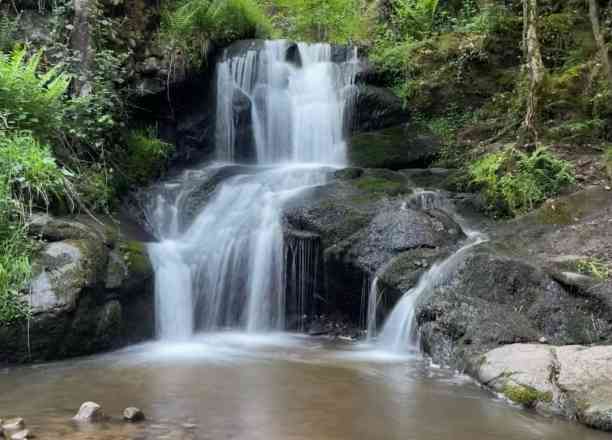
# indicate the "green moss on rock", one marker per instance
pixel 136 256
pixel 526 396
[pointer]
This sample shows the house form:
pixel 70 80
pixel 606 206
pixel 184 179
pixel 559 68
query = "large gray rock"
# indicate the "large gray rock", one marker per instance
pixel 509 302
pixel 575 381
pixel 62 271
pixel 92 290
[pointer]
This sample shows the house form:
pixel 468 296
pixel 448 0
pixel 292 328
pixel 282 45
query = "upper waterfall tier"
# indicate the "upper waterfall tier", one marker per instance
pixel 285 103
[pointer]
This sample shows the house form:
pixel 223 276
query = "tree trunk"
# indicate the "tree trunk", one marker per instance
pixel 599 39
pixel 535 68
pixel 80 42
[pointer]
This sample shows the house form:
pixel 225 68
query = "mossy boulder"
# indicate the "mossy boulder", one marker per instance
pixel 398 147
pixel 92 290
pixel 574 381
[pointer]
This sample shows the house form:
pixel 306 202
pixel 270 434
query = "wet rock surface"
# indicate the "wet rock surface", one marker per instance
pixel 364 221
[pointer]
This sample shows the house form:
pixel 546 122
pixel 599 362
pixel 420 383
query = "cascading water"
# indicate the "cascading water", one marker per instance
pixel 227 268
pixel 399 332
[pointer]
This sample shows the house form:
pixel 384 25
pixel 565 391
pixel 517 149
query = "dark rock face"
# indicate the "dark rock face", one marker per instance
pixel 92 290
pixel 377 108
pixel 494 300
pixel 243 120
pixel 394 148
pixel 293 55
pixel 364 222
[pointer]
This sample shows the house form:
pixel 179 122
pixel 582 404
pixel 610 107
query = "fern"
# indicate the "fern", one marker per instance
pixel 30 100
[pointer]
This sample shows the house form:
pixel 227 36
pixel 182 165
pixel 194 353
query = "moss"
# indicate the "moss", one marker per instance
pixel 394 148
pixel 136 256
pixel 526 396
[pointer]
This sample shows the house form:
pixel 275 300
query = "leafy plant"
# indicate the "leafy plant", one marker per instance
pixel 594 267
pixel 146 155
pixel 339 21
pixel 515 182
pixel 191 25
pixel 29 172
pixel 30 100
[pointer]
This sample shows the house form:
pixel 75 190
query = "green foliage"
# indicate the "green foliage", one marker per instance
pixel 594 267
pixel 191 25
pixel 15 267
pixel 146 155
pixel 338 21
pixel 29 172
pixel 515 182
pixel 30 100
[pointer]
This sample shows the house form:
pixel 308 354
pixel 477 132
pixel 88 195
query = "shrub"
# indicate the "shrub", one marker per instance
pixel 15 268
pixel 339 21
pixel 193 24
pixel 29 172
pixel 30 100
pixel 146 155
pixel 514 182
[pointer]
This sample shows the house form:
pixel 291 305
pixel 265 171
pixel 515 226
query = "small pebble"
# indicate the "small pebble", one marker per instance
pixel 21 435
pixel 133 414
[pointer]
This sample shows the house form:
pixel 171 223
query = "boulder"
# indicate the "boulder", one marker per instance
pixel 50 228
pixel 511 301
pixel 89 412
pixel 133 414
pixel 90 292
pixel 61 271
pixel 396 148
pixel 377 108
pixel 575 381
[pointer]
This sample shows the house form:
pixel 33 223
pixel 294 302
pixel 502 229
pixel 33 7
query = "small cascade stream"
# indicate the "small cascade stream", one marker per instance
pixel 226 268
pixel 399 332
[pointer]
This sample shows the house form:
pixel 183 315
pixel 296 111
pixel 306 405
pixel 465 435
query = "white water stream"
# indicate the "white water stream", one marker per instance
pixel 226 269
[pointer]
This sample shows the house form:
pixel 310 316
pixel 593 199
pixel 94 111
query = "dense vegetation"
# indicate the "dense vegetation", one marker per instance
pixel 469 70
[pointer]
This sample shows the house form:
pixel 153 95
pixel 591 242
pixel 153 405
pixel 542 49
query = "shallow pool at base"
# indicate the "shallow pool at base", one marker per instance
pixel 238 386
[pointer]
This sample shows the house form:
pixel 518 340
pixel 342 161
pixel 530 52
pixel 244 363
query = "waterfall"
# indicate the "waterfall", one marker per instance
pixel 298 113
pixel 373 302
pixel 226 269
pixel 302 263
pixel 399 332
